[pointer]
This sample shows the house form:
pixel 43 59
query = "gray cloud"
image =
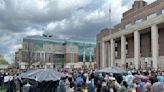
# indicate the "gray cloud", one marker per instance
pixel 20 18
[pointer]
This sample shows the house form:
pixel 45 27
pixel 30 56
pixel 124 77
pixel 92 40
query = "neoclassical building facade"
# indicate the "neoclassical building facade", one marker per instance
pixel 136 42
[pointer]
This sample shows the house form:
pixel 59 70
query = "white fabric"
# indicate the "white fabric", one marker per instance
pixel 87 80
pixel 129 79
pixel 133 90
pixel 27 84
pixel 112 78
pixel 71 90
pixel 104 84
pixel 11 78
pixel 117 85
pixel 6 79
pixel 111 90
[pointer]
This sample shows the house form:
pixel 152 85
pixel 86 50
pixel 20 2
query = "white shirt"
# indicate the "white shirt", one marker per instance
pixel 70 90
pixel 6 78
pixel 11 78
pixel 111 90
pixel 129 79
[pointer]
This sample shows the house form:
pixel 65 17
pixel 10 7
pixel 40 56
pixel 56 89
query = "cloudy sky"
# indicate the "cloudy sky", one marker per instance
pixel 20 18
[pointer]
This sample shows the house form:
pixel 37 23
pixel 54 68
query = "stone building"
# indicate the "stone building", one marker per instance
pixel 48 52
pixel 136 42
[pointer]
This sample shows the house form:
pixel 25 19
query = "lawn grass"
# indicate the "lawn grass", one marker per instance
pixel 2 90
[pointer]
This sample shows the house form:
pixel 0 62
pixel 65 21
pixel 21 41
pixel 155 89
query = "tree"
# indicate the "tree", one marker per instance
pixel 2 60
pixel 29 53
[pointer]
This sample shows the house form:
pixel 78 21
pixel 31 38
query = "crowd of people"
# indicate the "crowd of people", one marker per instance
pixel 88 80
pixel 7 81
pixel 134 81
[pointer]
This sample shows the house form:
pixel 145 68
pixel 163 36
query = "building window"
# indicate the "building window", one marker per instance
pixel 131 63
pixel 48 48
pixel 38 56
pixel 48 66
pixel 162 11
pixel 126 43
pixel 26 66
pixel 72 50
pixel 116 64
pixel 126 52
pixel 151 16
pixel 126 48
pixel 33 66
pixel 42 55
pixel 115 44
pixel 116 54
pixel 128 25
pixel 41 66
pixel 139 21
pixel 72 55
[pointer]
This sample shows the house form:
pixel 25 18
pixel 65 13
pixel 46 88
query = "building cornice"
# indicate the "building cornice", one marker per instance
pixel 145 24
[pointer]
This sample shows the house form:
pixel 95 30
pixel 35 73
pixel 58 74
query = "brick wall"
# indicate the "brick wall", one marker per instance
pixel 145 45
pixel 130 47
pixel 68 55
pixel 161 42
pixel 132 15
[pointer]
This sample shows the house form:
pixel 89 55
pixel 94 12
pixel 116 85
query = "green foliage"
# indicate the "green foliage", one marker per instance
pixel 2 90
pixel 2 60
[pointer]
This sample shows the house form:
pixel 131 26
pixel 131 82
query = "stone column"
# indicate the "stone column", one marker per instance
pixel 84 58
pixel 123 50
pixel 40 56
pixel 155 45
pixel 136 48
pixel 106 54
pixel 44 58
pixel 109 54
pixel 112 43
pixel 103 55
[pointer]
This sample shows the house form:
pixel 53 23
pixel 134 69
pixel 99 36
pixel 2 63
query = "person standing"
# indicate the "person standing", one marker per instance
pixel 160 78
pixel 6 80
pixel 90 87
pixel 12 84
pixel 61 87
pixel 129 79
pixel 1 81
pixel 124 86
pixel 85 88
pixel 154 79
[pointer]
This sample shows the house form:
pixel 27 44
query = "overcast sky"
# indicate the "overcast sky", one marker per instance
pixel 20 18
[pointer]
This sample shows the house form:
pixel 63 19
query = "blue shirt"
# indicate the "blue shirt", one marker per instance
pixel 160 79
pixel 141 84
pixel 79 81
